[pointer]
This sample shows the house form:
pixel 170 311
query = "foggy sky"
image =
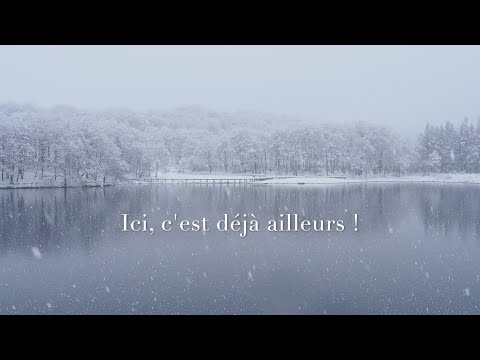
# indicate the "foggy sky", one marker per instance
pixel 402 87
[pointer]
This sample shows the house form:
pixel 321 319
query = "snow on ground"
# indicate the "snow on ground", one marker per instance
pixel 30 181
pixel 200 175
pixel 301 180
pixel 437 178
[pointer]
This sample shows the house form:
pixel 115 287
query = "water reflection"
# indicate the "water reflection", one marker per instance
pixel 416 251
pixel 451 210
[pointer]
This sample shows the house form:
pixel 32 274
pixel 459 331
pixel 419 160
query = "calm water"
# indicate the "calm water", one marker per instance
pixel 417 250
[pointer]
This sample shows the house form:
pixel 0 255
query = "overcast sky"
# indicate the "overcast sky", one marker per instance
pixel 399 86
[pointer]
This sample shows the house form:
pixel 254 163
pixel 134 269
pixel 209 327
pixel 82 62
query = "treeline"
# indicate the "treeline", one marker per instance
pixel 447 149
pixel 70 145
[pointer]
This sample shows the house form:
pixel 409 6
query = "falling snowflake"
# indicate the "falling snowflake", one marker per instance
pixel 36 253
pixel 452 155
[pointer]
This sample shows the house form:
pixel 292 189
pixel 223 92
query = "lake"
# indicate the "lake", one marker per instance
pixel 416 251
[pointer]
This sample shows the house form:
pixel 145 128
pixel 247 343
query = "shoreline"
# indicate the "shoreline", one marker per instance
pixel 40 186
pixel 222 179
pixel 376 182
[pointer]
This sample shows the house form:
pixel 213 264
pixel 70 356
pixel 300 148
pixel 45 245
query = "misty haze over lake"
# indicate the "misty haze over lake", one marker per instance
pixel 402 87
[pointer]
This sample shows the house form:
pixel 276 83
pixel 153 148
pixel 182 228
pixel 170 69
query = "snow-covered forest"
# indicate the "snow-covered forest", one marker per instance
pixel 70 145
pixel 447 149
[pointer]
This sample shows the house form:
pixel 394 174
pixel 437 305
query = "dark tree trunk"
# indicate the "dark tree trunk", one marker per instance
pixel 225 162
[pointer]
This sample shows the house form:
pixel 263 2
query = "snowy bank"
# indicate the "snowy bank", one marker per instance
pixel 30 181
pixel 48 185
pixel 269 179
pixel 197 175
pixel 434 178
